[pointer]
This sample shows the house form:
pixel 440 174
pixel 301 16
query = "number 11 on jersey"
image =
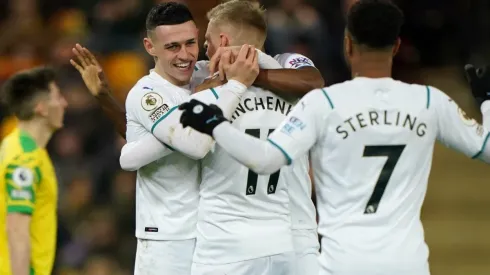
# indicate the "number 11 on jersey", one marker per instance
pixel 253 177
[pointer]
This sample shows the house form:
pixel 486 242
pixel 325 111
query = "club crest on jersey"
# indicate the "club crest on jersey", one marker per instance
pixel 300 62
pixel 158 113
pixel 151 101
pixel 465 118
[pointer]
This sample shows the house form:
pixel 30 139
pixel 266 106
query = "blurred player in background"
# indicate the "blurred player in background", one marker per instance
pixel 371 140
pixel 28 183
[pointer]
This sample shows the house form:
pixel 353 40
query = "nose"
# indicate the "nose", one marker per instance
pixel 184 54
pixel 64 103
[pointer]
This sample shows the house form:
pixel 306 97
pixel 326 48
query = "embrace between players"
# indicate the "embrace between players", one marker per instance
pixel 214 197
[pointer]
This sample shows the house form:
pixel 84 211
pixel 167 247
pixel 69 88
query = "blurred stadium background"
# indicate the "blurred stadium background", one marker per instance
pixel 96 203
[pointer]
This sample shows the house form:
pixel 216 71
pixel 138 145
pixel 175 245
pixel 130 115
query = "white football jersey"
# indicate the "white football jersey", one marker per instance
pixel 243 215
pixel 167 190
pixel 371 146
pixel 303 212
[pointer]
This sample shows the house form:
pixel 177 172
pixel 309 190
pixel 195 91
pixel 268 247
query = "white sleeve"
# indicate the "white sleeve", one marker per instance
pixel 303 126
pixel 168 129
pixel 144 151
pixel 292 139
pixel 268 62
pixel 260 156
pixel 485 110
pixel 458 131
pixel 293 61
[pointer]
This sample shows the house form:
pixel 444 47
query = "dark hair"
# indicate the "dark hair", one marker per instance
pixel 19 91
pixel 168 13
pixel 374 23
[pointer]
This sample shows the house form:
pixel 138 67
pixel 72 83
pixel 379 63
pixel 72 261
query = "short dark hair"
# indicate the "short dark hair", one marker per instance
pixel 20 90
pixel 374 23
pixel 168 13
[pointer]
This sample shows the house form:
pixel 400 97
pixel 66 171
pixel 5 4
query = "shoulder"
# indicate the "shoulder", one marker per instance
pixel 294 60
pixel 147 96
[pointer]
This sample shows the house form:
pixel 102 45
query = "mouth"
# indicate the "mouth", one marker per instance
pixel 183 66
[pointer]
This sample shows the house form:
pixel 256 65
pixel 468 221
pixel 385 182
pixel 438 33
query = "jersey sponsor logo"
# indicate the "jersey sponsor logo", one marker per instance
pixel 158 113
pixel 465 118
pixel 300 62
pixel 151 101
pixel 23 177
pixel 292 125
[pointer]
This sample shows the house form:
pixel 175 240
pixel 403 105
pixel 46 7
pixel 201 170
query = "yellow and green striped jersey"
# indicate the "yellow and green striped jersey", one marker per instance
pixel 28 185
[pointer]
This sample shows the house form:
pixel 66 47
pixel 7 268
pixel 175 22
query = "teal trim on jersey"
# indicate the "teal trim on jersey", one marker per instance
pixel 214 93
pixel 328 98
pixel 288 158
pixel 196 69
pixel 428 96
pixel 163 117
pixel 482 147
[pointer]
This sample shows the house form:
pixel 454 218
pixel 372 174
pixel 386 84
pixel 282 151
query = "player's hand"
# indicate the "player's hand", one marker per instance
pixel 244 69
pixel 216 58
pixel 90 70
pixel 203 118
pixel 210 83
pixel 479 80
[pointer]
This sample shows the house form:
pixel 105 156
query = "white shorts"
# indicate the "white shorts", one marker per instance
pixel 164 257
pixel 376 270
pixel 306 247
pixel 280 264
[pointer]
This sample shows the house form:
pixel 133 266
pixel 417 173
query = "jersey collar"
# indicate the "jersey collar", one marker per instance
pixel 153 75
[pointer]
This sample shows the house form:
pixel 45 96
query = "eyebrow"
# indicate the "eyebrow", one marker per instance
pixel 178 43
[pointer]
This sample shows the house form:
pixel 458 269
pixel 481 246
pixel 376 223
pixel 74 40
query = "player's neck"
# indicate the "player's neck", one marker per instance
pixel 372 65
pixel 38 130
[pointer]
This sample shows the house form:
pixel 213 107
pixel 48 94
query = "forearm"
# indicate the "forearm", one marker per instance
pixel 114 111
pixel 19 249
pixel 229 96
pixel 260 156
pixel 144 151
pixel 290 83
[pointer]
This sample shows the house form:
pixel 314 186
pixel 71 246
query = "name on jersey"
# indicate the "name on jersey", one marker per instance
pixel 262 103
pixel 158 113
pixel 375 118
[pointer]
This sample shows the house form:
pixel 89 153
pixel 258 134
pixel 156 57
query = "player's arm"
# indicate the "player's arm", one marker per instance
pixel 141 152
pixel 94 78
pixel 296 77
pixel 458 131
pixel 292 139
pixel 21 182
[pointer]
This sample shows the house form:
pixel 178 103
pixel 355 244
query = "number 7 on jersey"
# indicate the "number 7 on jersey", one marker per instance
pixel 393 153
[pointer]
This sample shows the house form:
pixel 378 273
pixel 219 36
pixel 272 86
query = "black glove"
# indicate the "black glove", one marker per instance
pixel 203 118
pixel 479 80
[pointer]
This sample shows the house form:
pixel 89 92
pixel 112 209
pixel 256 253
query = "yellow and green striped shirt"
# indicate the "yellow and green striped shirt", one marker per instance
pixel 28 185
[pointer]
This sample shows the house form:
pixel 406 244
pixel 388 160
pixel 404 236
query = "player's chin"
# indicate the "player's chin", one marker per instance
pixel 183 75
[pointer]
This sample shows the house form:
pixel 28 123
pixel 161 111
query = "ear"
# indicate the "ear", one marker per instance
pixel 41 108
pixel 348 44
pixel 225 41
pixel 396 47
pixel 149 47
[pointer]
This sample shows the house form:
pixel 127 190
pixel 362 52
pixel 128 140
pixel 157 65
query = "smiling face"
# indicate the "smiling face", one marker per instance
pixel 175 49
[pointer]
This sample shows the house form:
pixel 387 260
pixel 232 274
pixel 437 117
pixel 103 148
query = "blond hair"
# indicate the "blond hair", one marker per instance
pixel 242 15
